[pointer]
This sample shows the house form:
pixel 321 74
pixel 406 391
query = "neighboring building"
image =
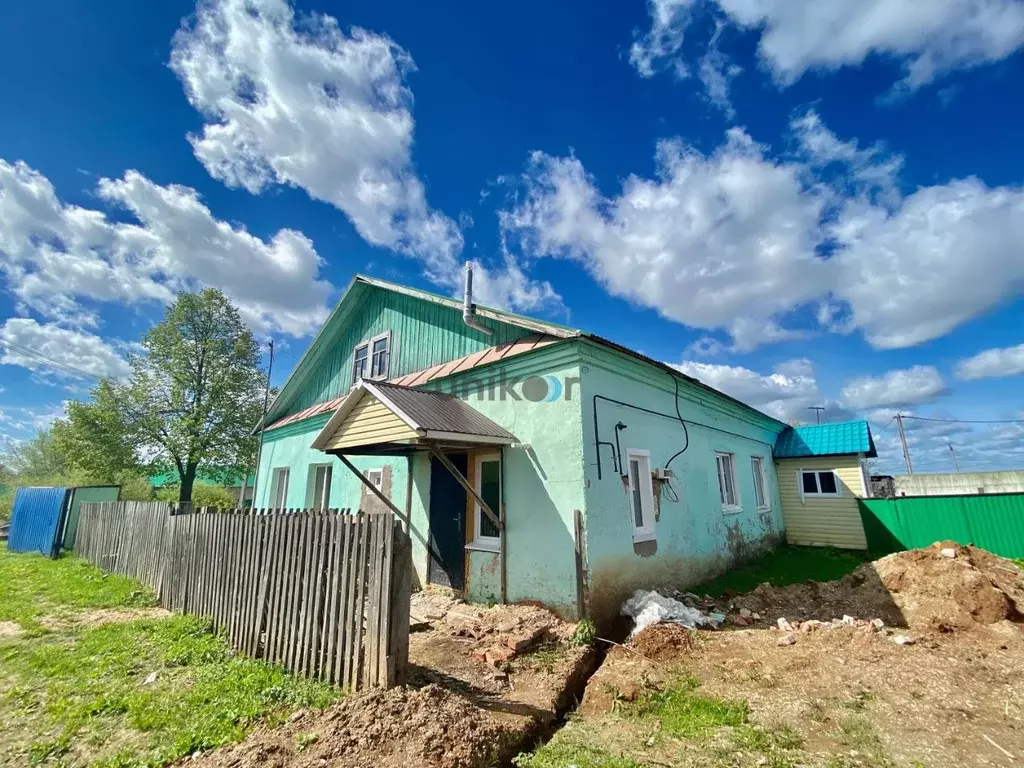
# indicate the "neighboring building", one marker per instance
pixel 822 472
pixel 608 470
pixel 958 483
pixel 234 485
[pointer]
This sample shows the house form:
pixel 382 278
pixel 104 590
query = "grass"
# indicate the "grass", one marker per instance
pixel 786 565
pixel 685 713
pixel 564 752
pixel 32 586
pixel 81 695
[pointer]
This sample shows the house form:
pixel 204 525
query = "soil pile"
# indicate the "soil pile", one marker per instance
pixel 397 728
pixel 943 587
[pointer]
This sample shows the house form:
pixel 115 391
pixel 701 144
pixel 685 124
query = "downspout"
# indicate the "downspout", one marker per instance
pixel 503 541
pixel 468 310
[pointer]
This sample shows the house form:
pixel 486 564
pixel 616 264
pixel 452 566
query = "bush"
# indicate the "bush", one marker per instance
pixel 203 495
pixel 6 503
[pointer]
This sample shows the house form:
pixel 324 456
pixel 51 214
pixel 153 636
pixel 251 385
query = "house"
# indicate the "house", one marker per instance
pixel 822 472
pixel 530 461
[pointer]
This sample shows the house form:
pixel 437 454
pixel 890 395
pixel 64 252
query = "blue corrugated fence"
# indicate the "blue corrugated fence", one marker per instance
pixel 36 519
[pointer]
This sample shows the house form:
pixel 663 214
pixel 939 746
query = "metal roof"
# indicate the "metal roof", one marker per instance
pixel 434 415
pixel 836 439
pixel 437 411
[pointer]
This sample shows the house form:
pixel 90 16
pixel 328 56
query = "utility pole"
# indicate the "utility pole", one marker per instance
pixel 263 425
pixel 817 411
pixel 956 463
pixel 903 441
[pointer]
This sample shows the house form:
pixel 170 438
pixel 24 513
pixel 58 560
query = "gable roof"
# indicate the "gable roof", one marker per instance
pixel 357 289
pixel 427 414
pixel 839 438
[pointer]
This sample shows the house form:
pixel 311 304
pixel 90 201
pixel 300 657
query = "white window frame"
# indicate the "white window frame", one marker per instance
pixel 367 344
pixel 311 484
pixel 804 494
pixel 278 494
pixel 737 503
pixel 486 543
pixel 647 531
pixel 375 476
pixel 760 474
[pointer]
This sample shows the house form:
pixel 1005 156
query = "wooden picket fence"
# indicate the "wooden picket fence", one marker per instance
pixel 323 593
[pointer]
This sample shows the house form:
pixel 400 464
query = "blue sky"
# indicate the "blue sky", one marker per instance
pixel 799 204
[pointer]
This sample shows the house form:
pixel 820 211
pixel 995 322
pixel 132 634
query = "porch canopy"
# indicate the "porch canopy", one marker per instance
pixel 380 419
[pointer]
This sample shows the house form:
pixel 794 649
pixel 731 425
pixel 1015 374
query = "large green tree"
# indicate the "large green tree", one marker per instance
pixel 191 401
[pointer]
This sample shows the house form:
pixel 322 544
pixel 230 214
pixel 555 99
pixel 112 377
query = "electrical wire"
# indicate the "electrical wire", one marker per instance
pixel 49 362
pixel 966 421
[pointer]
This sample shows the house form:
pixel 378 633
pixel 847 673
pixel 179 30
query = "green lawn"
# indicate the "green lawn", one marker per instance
pixel 786 565
pixel 77 693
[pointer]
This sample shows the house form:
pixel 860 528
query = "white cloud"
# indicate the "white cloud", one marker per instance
pixel 787 393
pixel 719 241
pixel 913 386
pixel 294 100
pixel 929 38
pixel 795 36
pixel 660 46
pixel 55 255
pixel 735 239
pixel 716 72
pixel 992 363
pixel 78 355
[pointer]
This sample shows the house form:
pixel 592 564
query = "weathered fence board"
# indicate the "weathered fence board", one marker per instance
pixel 313 590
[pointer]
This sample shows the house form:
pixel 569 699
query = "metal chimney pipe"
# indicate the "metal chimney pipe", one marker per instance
pixel 468 309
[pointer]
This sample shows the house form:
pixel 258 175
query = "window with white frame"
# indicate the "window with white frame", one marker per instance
pixel 487 483
pixel 375 476
pixel 279 487
pixel 318 487
pixel 371 359
pixel 727 488
pixel 641 494
pixel 760 486
pixel 823 482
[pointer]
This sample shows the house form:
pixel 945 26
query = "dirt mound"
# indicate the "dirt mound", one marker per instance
pixel 385 729
pixel 663 641
pixel 943 587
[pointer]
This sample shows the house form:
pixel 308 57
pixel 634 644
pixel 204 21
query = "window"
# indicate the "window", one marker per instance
pixel 318 490
pixel 279 487
pixel 819 483
pixel 375 476
pixel 487 483
pixel 760 496
pixel 371 359
pixel 727 482
pixel 641 495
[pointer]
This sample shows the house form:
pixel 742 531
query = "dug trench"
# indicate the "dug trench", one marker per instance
pixel 914 659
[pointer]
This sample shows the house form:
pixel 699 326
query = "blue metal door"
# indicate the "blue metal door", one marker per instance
pixel 447 524
pixel 36 520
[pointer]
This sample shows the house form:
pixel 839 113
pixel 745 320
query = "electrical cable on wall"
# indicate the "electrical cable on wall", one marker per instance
pixel 686 432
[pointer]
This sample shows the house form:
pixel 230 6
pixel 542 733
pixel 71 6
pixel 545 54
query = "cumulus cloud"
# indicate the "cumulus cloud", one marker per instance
pixel 739 240
pixel 295 101
pixel 55 255
pixel 992 363
pixel 913 386
pixel 796 36
pixel 73 354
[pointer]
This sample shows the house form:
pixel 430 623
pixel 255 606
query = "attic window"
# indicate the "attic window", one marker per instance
pixel 371 359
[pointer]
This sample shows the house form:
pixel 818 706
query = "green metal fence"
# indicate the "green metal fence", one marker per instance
pixel 994 522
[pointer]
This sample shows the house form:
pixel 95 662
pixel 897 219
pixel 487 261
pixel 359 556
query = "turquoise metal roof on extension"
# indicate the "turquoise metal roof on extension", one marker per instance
pixel 837 439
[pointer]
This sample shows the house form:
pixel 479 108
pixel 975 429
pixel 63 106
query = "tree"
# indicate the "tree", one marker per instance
pixel 96 440
pixel 191 401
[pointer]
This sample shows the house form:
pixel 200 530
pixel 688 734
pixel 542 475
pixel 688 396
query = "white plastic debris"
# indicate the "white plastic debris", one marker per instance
pixel 647 608
pixel 948 552
pixel 903 640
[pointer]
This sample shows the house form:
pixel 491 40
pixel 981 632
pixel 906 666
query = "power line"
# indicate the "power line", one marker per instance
pixel 967 421
pixel 49 362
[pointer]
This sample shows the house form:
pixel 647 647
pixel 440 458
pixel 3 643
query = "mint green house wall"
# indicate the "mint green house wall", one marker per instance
pixel 543 481
pixel 695 539
pixel 85 493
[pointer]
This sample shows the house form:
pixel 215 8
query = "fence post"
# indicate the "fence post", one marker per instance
pixel 399 605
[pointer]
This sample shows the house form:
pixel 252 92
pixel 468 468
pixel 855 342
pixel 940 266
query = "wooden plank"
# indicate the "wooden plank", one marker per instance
pixel 372 604
pixel 401 595
pixel 316 607
pixel 305 595
pixel 260 624
pixel 354 533
pixel 281 585
pixel 341 579
pixel 384 638
pixel 360 606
